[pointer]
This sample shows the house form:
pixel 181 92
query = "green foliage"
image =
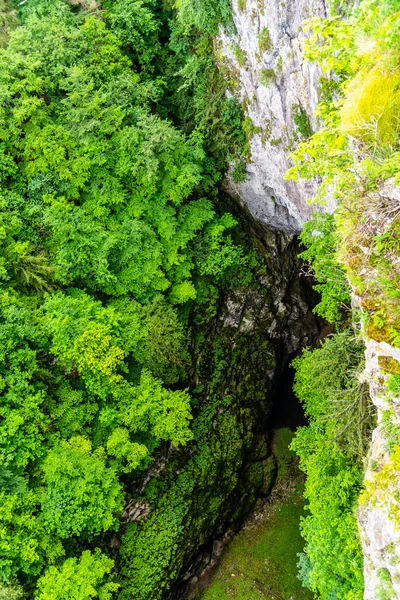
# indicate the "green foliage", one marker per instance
pixel 206 15
pixel 152 553
pixel 108 233
pixel 371 109
pixel 193 498
pixel 240 55
pixel 199 80
pixel 78 579
pixel 82 494
pixel 362 102
pixel 382 489
pixel 331 449
pixel 321 240
pixel 264 40
pixel 262 556
pixel 302 122
pixel 391 430
pixel 266 76
pixel 11 592
pixel 327 383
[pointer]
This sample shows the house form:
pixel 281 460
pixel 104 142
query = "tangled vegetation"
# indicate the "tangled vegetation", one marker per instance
pixel 356 152
pixel 112 120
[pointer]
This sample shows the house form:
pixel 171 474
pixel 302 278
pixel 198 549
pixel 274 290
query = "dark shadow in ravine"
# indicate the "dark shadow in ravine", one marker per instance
pixel 286 408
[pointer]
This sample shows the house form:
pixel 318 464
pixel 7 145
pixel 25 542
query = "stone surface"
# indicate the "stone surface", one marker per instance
pixel 211 484
pixel 380 538
pixel 379 535
pixel 274 84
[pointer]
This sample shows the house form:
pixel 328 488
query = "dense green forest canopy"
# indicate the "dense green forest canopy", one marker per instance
pixel 110 236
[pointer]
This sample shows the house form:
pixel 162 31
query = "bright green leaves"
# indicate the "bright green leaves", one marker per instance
pixel 218 251
pixel 128 171
pixel 138 29
pixel 105 233
pixel 206 15
pixel 83 495
pixel 154 336
pixel 321 240
pixel 151 407
pixel 19 534
pixel 78 579
pixel 128 454
pixel 327 382
pixel 332 542
pixel 23 422
pixel 90 339
pixel 331 44
pixel 331 450
pixel 84 338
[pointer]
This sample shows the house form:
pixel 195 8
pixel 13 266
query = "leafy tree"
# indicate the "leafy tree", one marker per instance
pixel 108 233
pixel 331 450
pixel 321 240
pixel 82 494
pixel 78 579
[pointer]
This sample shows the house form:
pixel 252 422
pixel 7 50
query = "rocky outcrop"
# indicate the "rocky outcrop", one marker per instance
pixel 380 535
pixel 175 521
pixel 258 326
pixel 279 91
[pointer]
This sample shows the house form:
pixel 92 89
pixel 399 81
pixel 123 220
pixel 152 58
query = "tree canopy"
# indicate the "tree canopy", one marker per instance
pixel 107 228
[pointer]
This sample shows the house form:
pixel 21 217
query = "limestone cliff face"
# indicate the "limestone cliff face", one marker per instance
pixel 279 91
pixel 380 535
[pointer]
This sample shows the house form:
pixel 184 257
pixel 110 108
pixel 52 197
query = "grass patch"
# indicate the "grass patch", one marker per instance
pixel 266 76
pixel 264 40
pixel 261 561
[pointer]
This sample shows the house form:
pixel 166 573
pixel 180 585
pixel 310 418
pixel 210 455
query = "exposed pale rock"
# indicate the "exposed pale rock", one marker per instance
pixel 275 83
pixel 379 535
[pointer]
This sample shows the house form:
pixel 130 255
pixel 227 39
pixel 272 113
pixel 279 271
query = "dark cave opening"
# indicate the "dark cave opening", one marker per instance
pixel 287 410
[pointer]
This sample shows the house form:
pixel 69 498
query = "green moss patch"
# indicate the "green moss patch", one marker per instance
pixel 389 365
pixel 261 561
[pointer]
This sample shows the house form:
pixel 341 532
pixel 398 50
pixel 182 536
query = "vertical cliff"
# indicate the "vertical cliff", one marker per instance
pixel 378 512
pixel 279 92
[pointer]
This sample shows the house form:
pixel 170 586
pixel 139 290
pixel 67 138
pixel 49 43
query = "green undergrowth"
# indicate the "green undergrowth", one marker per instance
pixel 357 150
pixel 260 562
pixel 116 132
pixel 354 153
pixel 331 450
pixel 226 460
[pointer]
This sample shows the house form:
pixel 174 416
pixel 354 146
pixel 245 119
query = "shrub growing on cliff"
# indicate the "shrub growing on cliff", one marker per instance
pixel 321 240
pixel 331 449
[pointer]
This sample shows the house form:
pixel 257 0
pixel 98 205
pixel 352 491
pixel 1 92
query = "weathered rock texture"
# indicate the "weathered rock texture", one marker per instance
pixel 279 91
pixel 379 534
pixel 209 487
pixel 238 364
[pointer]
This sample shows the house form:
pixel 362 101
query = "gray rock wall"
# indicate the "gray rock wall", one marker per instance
pixel 380 536
pixel 279 91
pixel 275 85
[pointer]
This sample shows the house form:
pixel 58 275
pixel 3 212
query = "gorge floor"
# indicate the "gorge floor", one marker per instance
pixel 260 562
